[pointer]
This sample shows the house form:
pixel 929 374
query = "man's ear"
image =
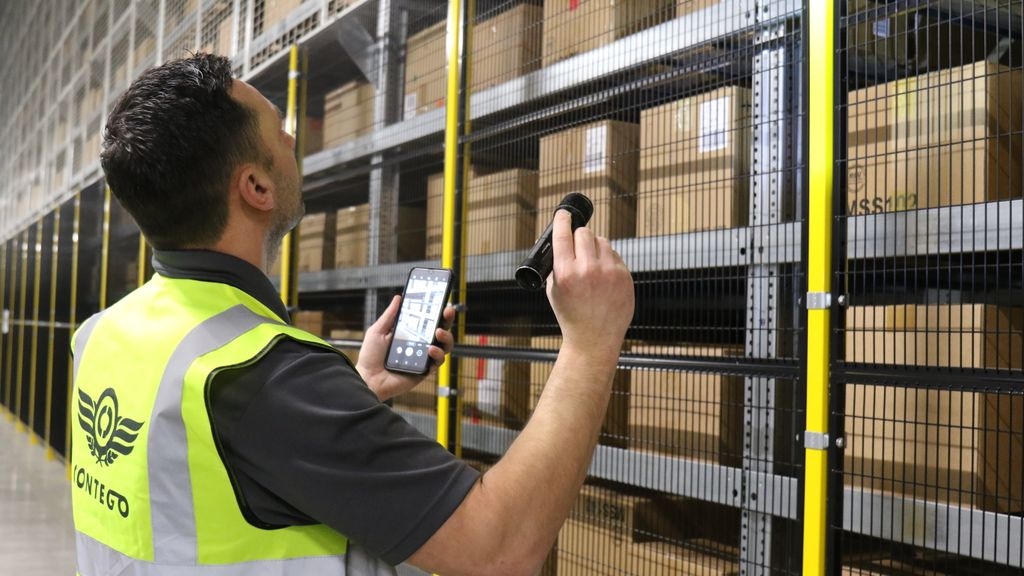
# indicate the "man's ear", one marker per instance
pixel 254 187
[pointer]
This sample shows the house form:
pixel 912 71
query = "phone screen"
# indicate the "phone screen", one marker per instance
pixel 423 300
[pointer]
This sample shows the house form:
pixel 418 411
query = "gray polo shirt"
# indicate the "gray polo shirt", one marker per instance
pixel 306 441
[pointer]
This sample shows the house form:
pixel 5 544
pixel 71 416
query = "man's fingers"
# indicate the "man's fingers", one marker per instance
pixel 387 319
pixel 561 237
pixel 585 244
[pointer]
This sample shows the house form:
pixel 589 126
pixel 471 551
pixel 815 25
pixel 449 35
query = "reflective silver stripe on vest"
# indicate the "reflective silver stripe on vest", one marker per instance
pixel 170 484
pixel 83 337
pixel 96 559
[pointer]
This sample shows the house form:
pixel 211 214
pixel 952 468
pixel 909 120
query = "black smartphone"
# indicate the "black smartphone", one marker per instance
pixel 423 301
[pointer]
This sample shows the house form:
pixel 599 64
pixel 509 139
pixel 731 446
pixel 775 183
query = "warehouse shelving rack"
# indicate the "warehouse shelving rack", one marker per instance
pixel 371 34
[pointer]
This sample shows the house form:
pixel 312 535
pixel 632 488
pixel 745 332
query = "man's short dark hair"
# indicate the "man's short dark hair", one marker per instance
pixel 170 146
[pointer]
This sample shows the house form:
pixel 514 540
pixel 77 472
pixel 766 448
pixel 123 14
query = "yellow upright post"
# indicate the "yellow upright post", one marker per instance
pixel 819 270
pixel 72 320
pixel 105 251
pixel 33 360
pixel 294 113
pixel 454 210
pixel 51 333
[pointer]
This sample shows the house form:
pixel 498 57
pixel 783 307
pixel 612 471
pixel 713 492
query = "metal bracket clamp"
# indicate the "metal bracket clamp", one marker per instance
pixel 447 392
pixel 819 300
pixel 815 440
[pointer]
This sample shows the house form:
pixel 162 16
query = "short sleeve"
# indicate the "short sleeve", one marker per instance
pixel 306 441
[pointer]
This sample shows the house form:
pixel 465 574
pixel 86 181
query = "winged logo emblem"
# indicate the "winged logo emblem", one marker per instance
pixel 109 434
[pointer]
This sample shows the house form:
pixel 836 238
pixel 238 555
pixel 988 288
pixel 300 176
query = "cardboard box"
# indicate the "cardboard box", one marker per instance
pixel 352 235
pixel 694 415
pixel 702 556
pixel 684 7
pixel 599 160
pixel 615 429
pixel 609 531
pixel 347 334
pixel 143 52
pixel 506 46
pixel 425 70
pixel 435 202
pixel 348 113
pixel 316 242
pixel 313 139
pixel 940 444
pixel 422 399
pixel 695 164
pixel 946 138
pixel 495 391
pixel 573 27
pixel 275 11
pixel 316 322
pixel 222 42
pixel 914 39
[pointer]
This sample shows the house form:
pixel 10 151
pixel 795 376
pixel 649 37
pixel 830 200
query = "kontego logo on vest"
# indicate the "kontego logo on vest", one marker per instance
pixel 109 434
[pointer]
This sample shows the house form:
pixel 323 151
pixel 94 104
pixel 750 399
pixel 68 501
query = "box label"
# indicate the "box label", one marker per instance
pixel 714 119
pixel 881 28
pixel 489 396
pixel 683 117
pixel 593 154
pixel 411 103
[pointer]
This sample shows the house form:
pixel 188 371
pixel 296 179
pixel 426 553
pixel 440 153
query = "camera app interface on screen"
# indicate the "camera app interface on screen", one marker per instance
pixel 421 308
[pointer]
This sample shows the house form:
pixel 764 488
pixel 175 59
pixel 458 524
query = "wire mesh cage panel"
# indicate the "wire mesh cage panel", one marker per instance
pixel 929 398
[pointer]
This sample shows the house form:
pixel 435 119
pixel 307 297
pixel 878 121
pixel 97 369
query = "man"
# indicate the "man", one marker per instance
pixel 212 438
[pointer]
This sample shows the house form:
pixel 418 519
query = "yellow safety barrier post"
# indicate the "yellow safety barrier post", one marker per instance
pixel 15 249
pixel 456 165
pixel 296 108
pixel 821 29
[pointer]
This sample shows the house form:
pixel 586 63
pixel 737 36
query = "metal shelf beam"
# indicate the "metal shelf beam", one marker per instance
pixel 938 526
pixel 987 227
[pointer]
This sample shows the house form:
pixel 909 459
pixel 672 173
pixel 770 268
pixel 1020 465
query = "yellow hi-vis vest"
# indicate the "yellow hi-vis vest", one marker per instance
pixel 150 493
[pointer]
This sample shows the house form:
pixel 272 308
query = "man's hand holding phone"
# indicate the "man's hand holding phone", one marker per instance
pixel 378 341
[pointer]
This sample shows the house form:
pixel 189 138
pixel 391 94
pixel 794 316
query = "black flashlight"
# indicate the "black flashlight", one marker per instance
pixel 536 267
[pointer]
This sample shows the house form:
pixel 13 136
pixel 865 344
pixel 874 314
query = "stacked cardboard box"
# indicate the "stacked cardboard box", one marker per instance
pixel 313 136
pixel 573 27
pixel 316 322
pixel 275 11
pixel 352 235
pixel 495 391
pixel 914 39
pixel 599 160
pixel 610 532
pixel 615 429
pixel 143 52
pixel 348 334
pixel 684 7
pixel 945 138
pixel 316 242
pixel 219 39
pixel 422 399
pixel 694 163
pixel 425 70
pixel 687 414
pixel 505 46
pixel 348 112
pixel 939 444
pixel 500 208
